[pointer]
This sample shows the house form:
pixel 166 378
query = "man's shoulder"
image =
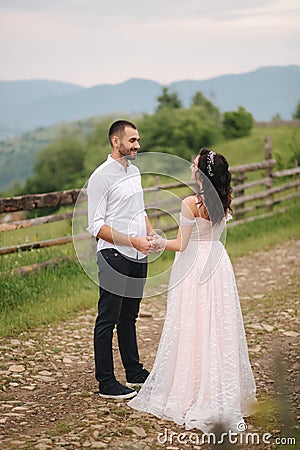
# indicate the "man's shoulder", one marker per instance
pixel 134 169
pixel 102 168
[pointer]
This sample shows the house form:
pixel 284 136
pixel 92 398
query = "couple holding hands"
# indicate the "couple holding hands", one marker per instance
pixel 201 376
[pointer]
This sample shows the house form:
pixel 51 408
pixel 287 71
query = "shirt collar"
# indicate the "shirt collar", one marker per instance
pixel 110 159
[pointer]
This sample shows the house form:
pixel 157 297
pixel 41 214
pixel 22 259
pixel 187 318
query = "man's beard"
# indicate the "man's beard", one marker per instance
pixel 129 157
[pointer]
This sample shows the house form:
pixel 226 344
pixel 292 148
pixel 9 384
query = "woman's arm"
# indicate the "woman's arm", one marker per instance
pixel 187 220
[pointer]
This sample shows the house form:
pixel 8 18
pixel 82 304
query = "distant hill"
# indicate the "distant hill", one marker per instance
pixel 33 113
pixel 264 92
pixel 17 155
pixel 26 105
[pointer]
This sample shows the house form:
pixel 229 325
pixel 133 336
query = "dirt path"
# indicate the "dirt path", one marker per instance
pixel 48 395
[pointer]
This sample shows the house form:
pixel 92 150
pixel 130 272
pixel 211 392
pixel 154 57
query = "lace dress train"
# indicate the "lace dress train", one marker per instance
pixel 201 376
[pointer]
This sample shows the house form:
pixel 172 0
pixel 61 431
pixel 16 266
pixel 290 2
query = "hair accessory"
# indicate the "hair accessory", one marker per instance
pixel 210 162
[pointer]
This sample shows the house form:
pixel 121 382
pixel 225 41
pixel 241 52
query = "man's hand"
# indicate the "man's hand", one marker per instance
pixel 142 244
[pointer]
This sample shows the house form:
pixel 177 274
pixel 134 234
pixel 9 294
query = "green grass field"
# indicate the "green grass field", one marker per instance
pixel 285 142
pixel 56 293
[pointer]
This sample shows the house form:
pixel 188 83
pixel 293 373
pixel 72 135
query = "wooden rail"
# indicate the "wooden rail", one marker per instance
pixel 246 204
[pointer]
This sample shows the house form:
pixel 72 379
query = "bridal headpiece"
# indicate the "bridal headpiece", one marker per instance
pixel 210 162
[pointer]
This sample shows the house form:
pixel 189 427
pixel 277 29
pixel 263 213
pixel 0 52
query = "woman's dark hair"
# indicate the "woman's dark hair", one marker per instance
pixel 217 179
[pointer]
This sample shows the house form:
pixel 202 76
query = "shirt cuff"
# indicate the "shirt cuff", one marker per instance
pixel 95 227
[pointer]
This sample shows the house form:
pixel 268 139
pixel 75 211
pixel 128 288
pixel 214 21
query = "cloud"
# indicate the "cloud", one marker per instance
pixel 97 41
pixel 148 9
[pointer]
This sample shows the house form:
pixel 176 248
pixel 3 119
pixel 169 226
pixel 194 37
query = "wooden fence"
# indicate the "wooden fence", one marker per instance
pixel 253 198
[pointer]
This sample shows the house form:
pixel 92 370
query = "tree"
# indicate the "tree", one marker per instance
pixel 276 117
pixel 181 132
pixel 200 100
pixel 296 114
pixel 169 100
pixel 205 108
pixel 237 123
pixel 58 166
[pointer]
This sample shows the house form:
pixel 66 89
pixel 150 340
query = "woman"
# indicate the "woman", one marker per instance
pixel 201 375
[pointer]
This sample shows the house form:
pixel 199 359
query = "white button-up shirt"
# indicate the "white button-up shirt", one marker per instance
pixel 115 198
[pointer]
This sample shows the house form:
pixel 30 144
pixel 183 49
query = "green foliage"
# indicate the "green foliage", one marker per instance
pixel 293 144
pixel 57 166
pixel 18 155
pixel 97 145
pixel 45 297
pixel 70 159
pixel 276 117
pixel 199 100
pixel 179 132
pixel 237 123
pixel 250 149
pixel 296 114
pixel 55 294
pixel 169 100
pixel 263 233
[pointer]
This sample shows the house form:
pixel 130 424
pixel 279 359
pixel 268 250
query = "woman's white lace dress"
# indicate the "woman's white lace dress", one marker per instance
pixel 201 375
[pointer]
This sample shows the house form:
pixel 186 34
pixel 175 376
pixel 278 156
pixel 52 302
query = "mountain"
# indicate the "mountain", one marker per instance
pixel 16 98
pixel 21 93
pixel 26 105
pixel 34 112
pixel 264 92
pixel 50 106
pixel 18 155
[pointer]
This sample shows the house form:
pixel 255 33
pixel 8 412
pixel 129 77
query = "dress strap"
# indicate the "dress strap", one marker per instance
pixel 200 204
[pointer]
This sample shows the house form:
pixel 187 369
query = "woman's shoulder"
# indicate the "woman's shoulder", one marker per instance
pixel 190 200
pixel 196 206
pixel 189 206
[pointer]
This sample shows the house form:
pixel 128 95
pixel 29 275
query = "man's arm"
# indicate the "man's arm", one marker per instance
pixel 108 234
pixel 97 205
pixel 155 247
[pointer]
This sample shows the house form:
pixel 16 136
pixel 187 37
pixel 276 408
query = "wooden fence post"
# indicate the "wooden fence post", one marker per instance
pixel 258 198
pixel 239 179
pixel 269 170
pixel 156 201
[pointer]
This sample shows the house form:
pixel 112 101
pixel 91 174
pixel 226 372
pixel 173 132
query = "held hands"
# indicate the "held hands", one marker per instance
pixel 149 244
pixel 157 243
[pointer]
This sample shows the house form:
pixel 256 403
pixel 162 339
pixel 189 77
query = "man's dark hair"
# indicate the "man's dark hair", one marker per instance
pixel 118 128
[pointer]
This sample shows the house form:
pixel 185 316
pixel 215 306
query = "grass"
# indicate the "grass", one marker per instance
pixel 43 298
pixel 264 233
pixel 285 141
pixel 248 237
pixel 55 294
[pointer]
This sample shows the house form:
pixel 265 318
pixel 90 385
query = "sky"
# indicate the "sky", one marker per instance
pixel 90 42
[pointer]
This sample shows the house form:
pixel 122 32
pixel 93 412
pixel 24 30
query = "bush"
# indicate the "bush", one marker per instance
pixel 180 132
pixel 237 123
pixel 296 114
pixel 57 166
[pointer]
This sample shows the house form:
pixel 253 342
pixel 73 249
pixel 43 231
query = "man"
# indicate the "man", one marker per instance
pixel 118 220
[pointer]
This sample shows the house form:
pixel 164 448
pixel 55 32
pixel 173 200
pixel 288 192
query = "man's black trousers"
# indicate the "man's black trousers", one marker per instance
pixel 121 282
